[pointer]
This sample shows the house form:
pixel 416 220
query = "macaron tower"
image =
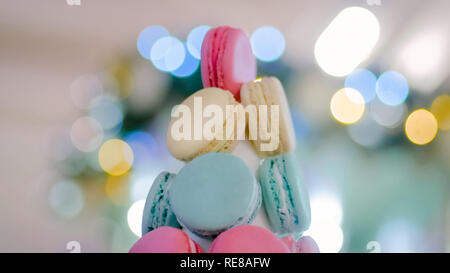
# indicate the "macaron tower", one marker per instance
pixel 229 197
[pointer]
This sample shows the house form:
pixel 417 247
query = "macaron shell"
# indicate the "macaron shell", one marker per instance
pixel 239 63
pixel 157 210
pixel 285 198
pixel 227 60
pixel 269 91
pixel 214 192
pixel 165 240
pixel 248 239
pixel 187 149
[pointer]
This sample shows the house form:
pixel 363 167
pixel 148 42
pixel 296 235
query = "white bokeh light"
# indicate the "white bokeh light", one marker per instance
pixel 86 134
pixel 326 207
pixel 327 234
pixel 134 217
pixel 423 59
pixel 347 41
pixel 326 216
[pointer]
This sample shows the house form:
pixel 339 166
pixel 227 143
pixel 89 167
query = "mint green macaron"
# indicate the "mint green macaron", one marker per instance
pixel 157 209
pixel 215 192
pixel 285 197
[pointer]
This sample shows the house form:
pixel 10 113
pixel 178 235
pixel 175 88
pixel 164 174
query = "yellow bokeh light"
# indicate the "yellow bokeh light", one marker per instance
pixel 441 110
pixel 347 105
pixel 117 188
pixel 421 127
pixel 115 157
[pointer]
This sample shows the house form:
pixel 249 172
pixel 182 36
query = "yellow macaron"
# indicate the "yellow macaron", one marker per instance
pixel 203 110
pixel 269 91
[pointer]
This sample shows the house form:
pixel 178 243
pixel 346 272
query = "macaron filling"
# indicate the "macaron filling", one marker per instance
pixel 283 197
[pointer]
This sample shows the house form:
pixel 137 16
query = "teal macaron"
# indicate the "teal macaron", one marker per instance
pixel 215 192
pixel 157 209
pixel 285 197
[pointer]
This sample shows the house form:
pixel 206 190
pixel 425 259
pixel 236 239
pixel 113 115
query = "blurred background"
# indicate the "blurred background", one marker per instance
pixel 87 88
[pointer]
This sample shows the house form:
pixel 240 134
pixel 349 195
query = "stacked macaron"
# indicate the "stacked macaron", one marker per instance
pixel 216 200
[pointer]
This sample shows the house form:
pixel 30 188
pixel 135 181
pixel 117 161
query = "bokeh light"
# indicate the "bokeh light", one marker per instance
pixel 86 134
pixel 268 43
pixel 134 217
pixel 84 90
pixel 441 110
pixel 364 81
pixel 141 183
pixel 117 189
pixel 148 37
pixel 423 57
pixel 195 39
pixel 421 127
pixel 301 124
pixel 386 115
pixel 144 148
pixel 347 105
pixel 327 234
pixel 188 67
pixel 392 88
pixel 168 54
pixel 366 132
pixel 66 199
pixel 108 113
pixel 326 207
pixel 115 157
pixel 347 41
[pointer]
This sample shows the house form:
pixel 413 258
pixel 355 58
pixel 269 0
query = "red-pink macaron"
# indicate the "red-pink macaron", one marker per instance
pixel 165 240
pixel 227 60
pixel 248 239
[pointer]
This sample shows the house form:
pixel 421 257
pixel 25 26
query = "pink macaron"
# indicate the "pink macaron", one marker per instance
pixel 305 244
pixel 248 239
pixel 166 240
pixel 227 60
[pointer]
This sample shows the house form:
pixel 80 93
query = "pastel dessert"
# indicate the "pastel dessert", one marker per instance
pixel 248 239
pixel 305 244
pixel 269 91
pixel 215 192
pixel 165 240
pixel 285 198
pixel 227 59
pixel 195 143
pixel 157 211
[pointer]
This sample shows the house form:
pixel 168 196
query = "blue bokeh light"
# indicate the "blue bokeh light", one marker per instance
pixel 189 66
pixel 168 54
pixel 392 88
pixel 301 125
pixel 144 148
pixel 268 43
pixel 195 39
pixel 364 81
pixel 148 37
